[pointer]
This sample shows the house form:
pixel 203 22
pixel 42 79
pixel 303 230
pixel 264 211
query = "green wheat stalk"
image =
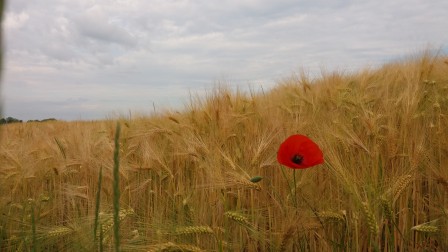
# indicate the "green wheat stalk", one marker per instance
pixel 97 206
pixel 33 228
pixel 116 200
pixel 101 238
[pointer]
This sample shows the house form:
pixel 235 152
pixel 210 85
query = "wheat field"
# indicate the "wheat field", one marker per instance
pixel 190 180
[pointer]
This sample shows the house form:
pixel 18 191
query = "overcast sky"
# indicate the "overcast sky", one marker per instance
pixel 89 59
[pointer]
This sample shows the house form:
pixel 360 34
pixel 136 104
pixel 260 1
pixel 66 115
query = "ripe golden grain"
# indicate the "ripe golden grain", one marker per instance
pixel 248 184
pixel 173 119
pixel 237 217
pixel 235 180
pixel 331 216
pixel 109 222
pixel 342 143
pixel 400 185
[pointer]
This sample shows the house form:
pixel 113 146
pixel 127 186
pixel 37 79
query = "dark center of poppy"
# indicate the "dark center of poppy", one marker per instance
pixel 297 159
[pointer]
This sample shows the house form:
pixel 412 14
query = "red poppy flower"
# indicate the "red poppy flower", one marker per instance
pixel 299 152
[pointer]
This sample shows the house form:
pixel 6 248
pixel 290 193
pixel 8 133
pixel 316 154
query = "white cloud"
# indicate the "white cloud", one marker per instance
pixel 87 53
pixel 15 20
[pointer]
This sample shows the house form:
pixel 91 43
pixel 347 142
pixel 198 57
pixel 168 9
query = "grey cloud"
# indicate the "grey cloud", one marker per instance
pixel 73 33
pixel 95 24
pixel 137 52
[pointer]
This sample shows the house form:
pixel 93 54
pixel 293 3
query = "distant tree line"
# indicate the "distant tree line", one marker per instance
pixel 9 120
pixel 15 120
pixel 44 120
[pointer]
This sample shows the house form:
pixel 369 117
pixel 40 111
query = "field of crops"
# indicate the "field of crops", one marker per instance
pixel 207 178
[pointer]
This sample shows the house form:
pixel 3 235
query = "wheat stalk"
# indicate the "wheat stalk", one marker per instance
pixel 287 236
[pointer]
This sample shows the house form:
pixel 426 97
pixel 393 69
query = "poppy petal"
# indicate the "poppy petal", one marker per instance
pixel 299 152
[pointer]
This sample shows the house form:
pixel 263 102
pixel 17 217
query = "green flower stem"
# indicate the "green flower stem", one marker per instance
pixel 290 187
